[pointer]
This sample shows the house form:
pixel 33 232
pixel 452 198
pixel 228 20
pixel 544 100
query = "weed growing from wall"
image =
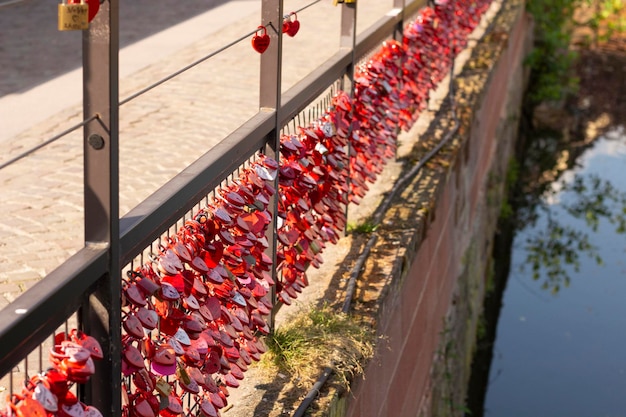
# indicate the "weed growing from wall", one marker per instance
pixel 320 337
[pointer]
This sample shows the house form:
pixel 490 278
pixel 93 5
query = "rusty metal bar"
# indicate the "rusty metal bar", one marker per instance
pixel 270 96
pixel 101 312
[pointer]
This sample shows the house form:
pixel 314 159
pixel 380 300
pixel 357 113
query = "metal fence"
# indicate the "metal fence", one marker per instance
pixel 88 284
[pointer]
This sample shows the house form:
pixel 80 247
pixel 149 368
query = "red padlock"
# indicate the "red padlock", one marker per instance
pixel 261 40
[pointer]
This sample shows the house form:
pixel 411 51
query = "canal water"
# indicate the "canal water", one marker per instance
pixel 560 340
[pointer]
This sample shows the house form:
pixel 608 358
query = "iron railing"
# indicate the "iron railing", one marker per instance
pixel 89 281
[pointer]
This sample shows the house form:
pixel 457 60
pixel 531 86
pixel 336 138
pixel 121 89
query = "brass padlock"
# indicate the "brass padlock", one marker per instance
pixel 335 2
pixel 73 16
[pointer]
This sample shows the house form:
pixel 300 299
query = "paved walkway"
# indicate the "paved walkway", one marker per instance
pixel 160 132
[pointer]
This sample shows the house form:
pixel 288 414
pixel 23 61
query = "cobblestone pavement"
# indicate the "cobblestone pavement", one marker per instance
pixel 33 51
pixel 161 132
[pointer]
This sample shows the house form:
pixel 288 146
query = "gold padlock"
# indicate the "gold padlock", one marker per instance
pixel 73 16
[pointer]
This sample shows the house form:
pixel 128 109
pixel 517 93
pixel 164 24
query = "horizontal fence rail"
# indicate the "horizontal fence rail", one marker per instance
pixel 31 318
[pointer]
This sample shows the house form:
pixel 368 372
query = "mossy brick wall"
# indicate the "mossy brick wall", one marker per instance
pixel 441 229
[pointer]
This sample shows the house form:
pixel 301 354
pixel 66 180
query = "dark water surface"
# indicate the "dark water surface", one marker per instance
pixel 560 349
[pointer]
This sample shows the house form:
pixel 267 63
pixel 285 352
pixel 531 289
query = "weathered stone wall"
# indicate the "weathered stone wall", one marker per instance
pixel 433 254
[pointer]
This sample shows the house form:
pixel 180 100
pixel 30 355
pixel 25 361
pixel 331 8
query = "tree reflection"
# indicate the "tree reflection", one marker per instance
pixel 597 198
pixel 554 250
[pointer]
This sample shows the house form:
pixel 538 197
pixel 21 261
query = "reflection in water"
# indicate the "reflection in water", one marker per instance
pixel 557 243
pixel 561 352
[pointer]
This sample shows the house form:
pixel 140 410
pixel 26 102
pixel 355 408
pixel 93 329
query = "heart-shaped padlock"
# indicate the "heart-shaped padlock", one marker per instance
pixel 148 318
pixel 174 406
pixel 186 382
pixel 208 409
pixel 176 346
pixel 199 265
pixel 45 397
pixel 294 24
pixel 142 408
pixel 165 355
pixel 169 292
pixel 182 337
pixel 133 326
pixel 200 345
pixel 217 400
pixel 261 40
pixel 144 380
pixel 286 24
pixel 212 362
pixel 230 380
pixel 27 407
pixel 134 295
pixel 181 250
pixel 89 343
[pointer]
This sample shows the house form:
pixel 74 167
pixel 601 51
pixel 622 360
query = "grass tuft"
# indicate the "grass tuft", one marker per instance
pixel 320 337
pixel 366 227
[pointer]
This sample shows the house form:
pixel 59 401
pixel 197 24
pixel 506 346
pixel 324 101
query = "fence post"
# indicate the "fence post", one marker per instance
pixel 348 41
pixel 348 37
pixel 399 30
pixel 269 100
pixel 398 34
pixel 101 313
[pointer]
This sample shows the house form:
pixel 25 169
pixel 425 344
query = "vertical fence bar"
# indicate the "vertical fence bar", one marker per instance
pixel 398 34
pixel 348 37
pixel 269 100
pixel 399 30
pixel 348 41
pixel 101 313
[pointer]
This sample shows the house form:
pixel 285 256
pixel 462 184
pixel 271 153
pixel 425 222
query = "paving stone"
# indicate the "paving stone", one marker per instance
pixel 10 287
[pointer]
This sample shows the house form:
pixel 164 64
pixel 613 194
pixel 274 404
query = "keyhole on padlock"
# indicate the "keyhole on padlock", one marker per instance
pixel 96 141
